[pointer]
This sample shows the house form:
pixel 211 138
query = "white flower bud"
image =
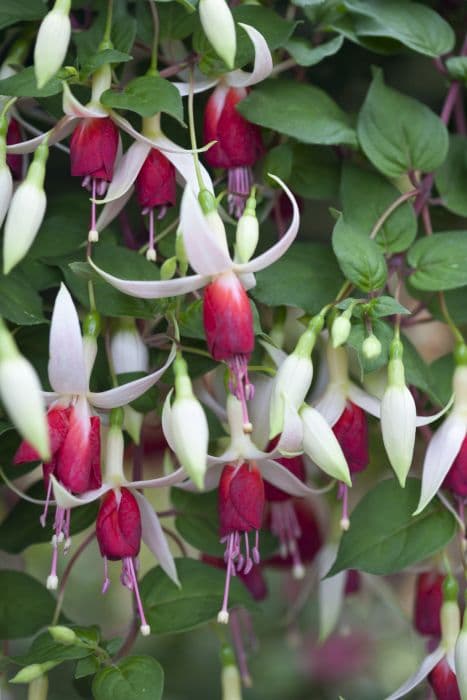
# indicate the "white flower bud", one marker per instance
pixel 398 417
pixel 26 212
pixel 293 379
pixel 133 423
pixel 247 234
pixel 322 446
pixel 6 190
pixel 219 27
pixel 340 330
pixel 34 672
pixel 189 426
pixel 114 450
pixel 20 392
pixel 460 656
pixel 231 683
pixel 371 347
pixel 52 42
pixel 128 351
pixel 63 635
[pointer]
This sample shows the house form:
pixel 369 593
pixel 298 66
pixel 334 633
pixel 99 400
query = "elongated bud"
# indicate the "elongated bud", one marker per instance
pixel 128 351
pixel 230 678
pixel 450 613
pixel 133 422
pixel 52 42
pixel 26 212
pixel 6 178
pixel 180 252
pixel 189 426
pixel 247 234
pixel 63 635
pixel 21 395
pixel 114 449
pixel 371 347
pixel 218 25
pixel 293 379
pixel 168 268
pixel 322 446
pixel 38 689
pixel 460 656
pixel 398 416
pixel 33 671
pixel 340 329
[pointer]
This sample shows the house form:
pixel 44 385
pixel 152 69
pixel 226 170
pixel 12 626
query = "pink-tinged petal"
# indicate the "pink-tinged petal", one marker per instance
pixel 78 460
pixel 211 480
pixel 248 280
pixel 276 251
pixel 172 479
pixel 332 404
pixel 210 401
pixel 65 499
pixel 184 163
pixel 426 420
pixel 157 289
pixel 112 210
pixel 126 171
pixel 276 354
pixel 61 130
pixel 442 450
pixel 283 479
pixel 360 397
pixel 73 107
pixel 205 253
pixel 167 421
pixel 154 538
pixel 199 86
pixel 67 369
pixel 258 409
pixel 262 66
pixel 330 592
pixel 428 664
pixel 291 438
pixel 122 395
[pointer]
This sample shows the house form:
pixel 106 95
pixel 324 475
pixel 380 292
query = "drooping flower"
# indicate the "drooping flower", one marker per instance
pixel 238 143
pixel 73 429
pixel 207 251
pixel 444 682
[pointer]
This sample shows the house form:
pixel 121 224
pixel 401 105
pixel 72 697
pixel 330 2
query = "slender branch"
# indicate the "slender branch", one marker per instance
pixel 155 41
pixel 447 317
pixel 392 207
pixel 66 575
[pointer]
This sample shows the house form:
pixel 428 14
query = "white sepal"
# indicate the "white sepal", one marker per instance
pixel 67 367
pixel 231 683
pixel 6 191
pixel 322 446
pixel 427 665
pixel 219 27
pixel 189 435
pixel 262 65
pixel 460 656
pixel 128 351
pixel 23 221
pixel 398 425
pixel 330 592
pixel 51 46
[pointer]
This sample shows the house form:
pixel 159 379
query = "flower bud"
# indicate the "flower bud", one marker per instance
pixel 460 656
pixel 398 416
pixel 128 351
pixel 21 395
pixel 371 347
pixel 6 178
pixel 340 330
pixel 38 688
pixel 168 268
pixel 189 426
pixel 133 423
pixel 26 212
pixel 322 446
pixel 63 635
pixel 33 672
pixel 293 379
pixel 450 613
pixel 114 449
pixel 218 25
pixel 52 42
pixel 180 252
pixel 247 233
pixel 231 683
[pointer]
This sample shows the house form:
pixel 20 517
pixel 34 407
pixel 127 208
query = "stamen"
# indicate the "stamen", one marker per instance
pixel 144 628
pixel 223 615
pixel 343 493
pixel 256 555
pixel 93 235
pixel 241 386
pixel 240 181
pixel 151 251
pixel 106 584
pixel 43 517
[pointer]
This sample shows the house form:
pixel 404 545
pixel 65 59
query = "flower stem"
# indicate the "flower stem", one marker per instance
pixel 392 207
pixel 447 317
pixel 155 42
pixel 191 122
pixel 107 41
pixel 66 575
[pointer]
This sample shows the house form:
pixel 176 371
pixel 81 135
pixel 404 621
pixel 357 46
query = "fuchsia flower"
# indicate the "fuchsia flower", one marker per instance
pixel 428 602
pixel 74 429
pixel 239 144
pixel 443 682
pixel 225 279
pixel 93 150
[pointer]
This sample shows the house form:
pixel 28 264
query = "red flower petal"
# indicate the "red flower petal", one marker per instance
pixel 79 458
pixel 351 430
pixel 58 420
pixel 428 601
pixel 456 479
pixel 155 184
pixel 14 161
pixel 118 526
pixel 443 682
pixel 93 148
pixel 241 499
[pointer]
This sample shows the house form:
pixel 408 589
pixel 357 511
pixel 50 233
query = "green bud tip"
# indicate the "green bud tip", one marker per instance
pixel 207 201
pixel 250 206
pixel 396 349
pixel 450 589
pixel 460 354
pixel 116 417
pixel 92 324
pixel 227 655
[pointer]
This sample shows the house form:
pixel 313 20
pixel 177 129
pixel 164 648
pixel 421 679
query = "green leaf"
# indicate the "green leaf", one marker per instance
pixel 86 667
pixel 418 27
pixel 451 178
pixel 21 527
pixel 304 112
pixel 274 28
pixel 307 276
pixel 375 308
pixel 23 84
pixel 146 96
pixel 360 258
pixel 102 57
pixel 306 55
pixel 439 261
pixel 385 538
pixel 45 648
pixel 133 678
pixel 457 67
pixel 400 228
pixel 441 373
pixel 25 605
pixel 398 133
pixel 12 11
pixel 315 172
pixel 198 600
pixel 278 160
pixel 19 302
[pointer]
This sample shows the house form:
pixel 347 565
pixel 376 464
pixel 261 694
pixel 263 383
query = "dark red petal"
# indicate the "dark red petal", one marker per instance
pixel 456 479
pixel 78 454
pixel 443 681
pixel 95 476
pixel 295 465
pixel 227 318
pixel 241 499
pixel 155 184
pixel 428 601
pixel 93 148
pixel 353 582
pixel 14 161
pixel 351 431
pixel 58 420
pixel 118 526
pixel 215 156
